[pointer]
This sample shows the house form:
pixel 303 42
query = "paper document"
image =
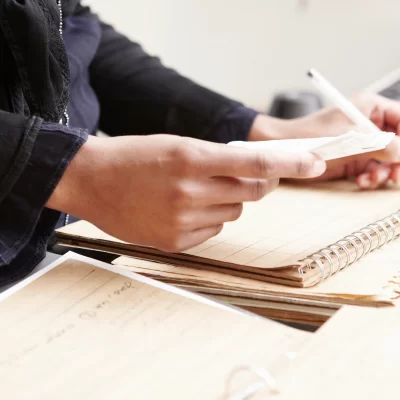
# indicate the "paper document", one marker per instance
pixel 328 148
pixel 82 329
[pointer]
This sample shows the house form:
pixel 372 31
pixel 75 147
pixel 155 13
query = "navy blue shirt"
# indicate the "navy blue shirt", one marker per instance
pixel 116 87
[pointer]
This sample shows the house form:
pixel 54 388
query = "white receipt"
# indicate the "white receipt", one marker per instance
pixel 328 148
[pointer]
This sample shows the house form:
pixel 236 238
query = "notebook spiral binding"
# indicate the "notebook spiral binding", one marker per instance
pixel 364 241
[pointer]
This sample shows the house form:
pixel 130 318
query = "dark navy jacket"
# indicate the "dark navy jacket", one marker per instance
pixel 114 86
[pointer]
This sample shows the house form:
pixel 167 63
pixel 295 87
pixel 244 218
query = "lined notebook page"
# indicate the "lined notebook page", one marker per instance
pixel 80 331
pixel 286 226
pixel 297 220
pixel 356 355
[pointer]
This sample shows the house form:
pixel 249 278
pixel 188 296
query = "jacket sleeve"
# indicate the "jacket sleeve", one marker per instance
pixel 33 158
pixel 139 95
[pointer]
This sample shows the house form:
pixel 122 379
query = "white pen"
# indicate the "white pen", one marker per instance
pixel 348 108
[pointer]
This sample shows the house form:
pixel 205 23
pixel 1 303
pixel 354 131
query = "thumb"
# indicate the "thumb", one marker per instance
pixel 377 116
pixel 390 154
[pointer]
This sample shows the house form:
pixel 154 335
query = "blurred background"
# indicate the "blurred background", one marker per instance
pixel 251 50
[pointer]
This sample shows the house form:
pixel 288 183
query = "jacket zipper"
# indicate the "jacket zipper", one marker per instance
pixel 65 118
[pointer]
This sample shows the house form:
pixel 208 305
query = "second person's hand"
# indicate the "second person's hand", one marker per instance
pixel 331 121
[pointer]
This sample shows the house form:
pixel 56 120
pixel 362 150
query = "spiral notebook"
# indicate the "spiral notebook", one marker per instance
pixel 300 235
pixel 81 329
pixel 364 284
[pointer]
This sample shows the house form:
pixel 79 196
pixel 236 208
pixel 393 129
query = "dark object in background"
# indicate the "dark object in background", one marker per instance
pixel 392 92
pixel 294 104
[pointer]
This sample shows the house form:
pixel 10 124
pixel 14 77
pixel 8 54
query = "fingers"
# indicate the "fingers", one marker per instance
pixel 245 163
pixel 195 219
pixel 386 115
pixel 390 154
pixel 395 174
pixel 223 190
pixel 194 238
pixel 375 175
pixel 392 151
pixel 194 226
pixel 219 190
pixel 378 117
pixel 392 116
pixel 385 112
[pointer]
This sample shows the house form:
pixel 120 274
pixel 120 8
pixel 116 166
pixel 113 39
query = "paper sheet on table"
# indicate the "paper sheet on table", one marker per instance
pixel 328 148
pixel 86 330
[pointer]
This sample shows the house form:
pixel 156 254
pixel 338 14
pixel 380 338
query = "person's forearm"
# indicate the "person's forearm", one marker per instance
pixel 269 128
pixel 321 123
pixel 140 95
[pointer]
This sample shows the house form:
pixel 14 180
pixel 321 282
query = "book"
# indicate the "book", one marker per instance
pixel 264 299
pixel 364 285
pixel 84 329
pixel 299 236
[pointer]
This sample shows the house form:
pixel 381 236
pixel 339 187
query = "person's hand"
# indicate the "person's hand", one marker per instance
pixel 369 174
pixel 169 192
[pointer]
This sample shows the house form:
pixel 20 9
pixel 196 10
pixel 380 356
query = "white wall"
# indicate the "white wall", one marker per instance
pixel 251 49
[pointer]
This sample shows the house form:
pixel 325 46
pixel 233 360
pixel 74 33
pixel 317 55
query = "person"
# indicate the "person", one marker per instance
pixel 165 178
